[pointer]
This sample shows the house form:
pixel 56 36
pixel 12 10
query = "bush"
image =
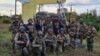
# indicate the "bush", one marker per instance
pixel 6 21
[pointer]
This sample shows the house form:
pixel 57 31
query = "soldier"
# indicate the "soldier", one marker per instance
pixel 38 25
pixel 30 30
pixel 56 28
pixel 91 33
pixel 72 29
pixel 81 31
pixel 15 27
pixel 38 45
pixel 61 39
pixel 22 41
pixel 50 40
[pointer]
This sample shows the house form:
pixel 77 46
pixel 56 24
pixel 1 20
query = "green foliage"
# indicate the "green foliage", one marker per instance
pixel 91 18
pixel 5 44
pixel 5 19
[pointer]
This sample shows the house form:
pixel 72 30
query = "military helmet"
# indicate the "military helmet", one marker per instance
pixel 22 29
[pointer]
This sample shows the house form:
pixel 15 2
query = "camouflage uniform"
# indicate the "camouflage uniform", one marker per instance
pixel 22 42
pixel 56 28
pixel 61 40
pixel 38 45
pixel 15 28
pixel 31 31
pixel 81 32
pixel 91 31
pixel 51 42
pixel 72 29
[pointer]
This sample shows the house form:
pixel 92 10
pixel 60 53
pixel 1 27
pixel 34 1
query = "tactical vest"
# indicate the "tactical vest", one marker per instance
pixel 90 32
pixel 50 37
pixel 38 42
pixel 73 29
pixel 61 37
pixel 82 30
pixel 15 27
pixel 22 38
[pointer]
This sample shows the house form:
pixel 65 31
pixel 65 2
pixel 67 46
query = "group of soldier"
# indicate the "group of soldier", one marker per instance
pixel 51 34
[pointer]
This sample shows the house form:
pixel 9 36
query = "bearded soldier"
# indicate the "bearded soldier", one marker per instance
pixel 30 29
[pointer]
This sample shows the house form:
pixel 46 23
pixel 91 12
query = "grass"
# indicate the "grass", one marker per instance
pixel 5 45
pixel 5 37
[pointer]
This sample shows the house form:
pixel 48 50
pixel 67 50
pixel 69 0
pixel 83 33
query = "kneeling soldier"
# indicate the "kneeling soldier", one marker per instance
pixel 38 45
pixel 51 40
pixel 22 41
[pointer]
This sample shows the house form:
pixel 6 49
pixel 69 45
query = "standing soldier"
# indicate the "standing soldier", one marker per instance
pixel 81 31
pixel 38 25
pixel 15 27
pixel 30 29
pixel 91 33
pixel 56 28
pixel 51 40
pixel 72 29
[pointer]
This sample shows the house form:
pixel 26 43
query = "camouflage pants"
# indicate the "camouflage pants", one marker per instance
pixel 60 46
pixel 90 47
pixel 36 51
pixel 24 50
pixel 51 46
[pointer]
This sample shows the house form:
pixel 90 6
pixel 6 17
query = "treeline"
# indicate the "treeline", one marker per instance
pixel 5 19
pixel 87 17
pixel 91 18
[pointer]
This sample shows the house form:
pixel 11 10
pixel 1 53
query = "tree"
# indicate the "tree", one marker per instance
pixel 88 17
